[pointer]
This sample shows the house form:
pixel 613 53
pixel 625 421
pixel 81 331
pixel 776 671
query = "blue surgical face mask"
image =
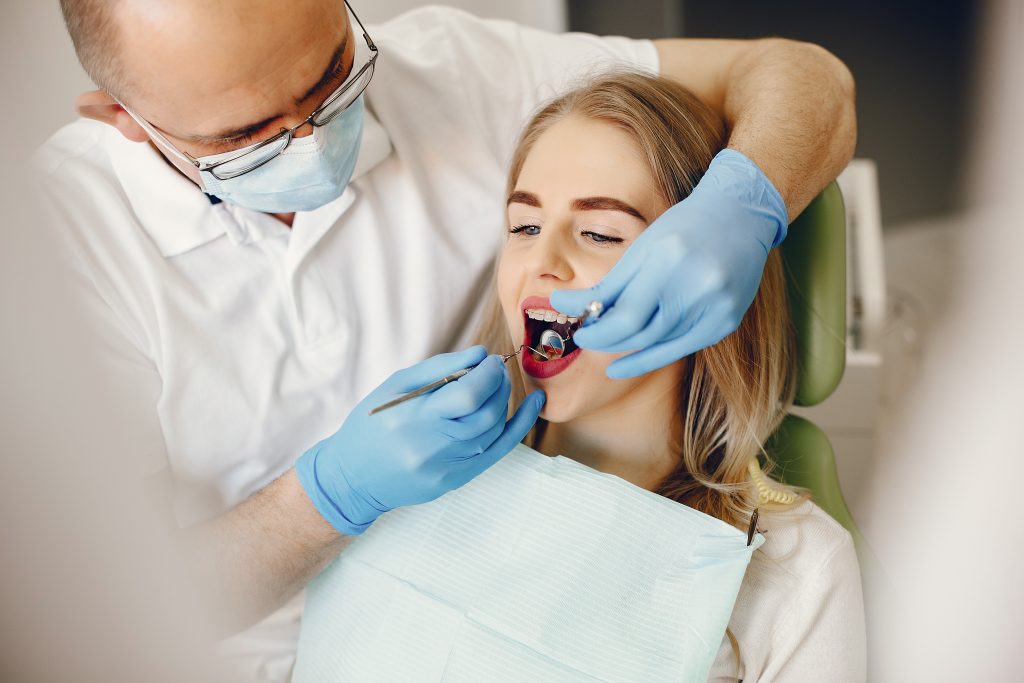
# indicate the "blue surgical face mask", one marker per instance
pixel 311 172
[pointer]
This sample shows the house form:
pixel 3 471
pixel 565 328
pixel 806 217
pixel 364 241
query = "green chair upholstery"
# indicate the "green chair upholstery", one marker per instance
pixel 814 258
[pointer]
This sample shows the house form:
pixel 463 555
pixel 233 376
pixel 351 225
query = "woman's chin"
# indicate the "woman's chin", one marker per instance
pixel 556 410
pixel 567 395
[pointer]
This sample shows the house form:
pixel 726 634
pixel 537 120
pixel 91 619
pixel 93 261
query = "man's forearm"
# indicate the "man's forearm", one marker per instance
pixel 255 557
pixel 789 106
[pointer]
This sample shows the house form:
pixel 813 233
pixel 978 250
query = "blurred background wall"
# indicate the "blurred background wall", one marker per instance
pixel 547 14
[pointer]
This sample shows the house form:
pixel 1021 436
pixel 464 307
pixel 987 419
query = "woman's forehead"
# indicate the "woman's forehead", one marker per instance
pixel 580 157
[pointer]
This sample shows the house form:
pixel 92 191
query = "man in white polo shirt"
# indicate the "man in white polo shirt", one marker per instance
pixel 275 208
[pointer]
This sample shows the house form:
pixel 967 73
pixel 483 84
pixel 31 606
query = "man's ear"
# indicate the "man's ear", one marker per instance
pixel 100 106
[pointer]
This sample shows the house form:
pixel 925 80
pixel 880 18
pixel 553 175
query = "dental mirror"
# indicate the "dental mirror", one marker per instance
pixel 552 344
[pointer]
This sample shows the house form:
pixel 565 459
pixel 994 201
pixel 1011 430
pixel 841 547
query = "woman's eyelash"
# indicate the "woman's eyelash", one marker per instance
pixel 602 239
pixel 515 230
pixel 531 230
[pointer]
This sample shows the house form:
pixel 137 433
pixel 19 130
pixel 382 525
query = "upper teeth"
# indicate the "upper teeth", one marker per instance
pixel 549 316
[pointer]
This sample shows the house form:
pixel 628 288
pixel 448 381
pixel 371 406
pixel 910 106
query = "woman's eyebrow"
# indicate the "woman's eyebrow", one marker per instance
pixel 605 204
pixel 582 204
pixel 521 197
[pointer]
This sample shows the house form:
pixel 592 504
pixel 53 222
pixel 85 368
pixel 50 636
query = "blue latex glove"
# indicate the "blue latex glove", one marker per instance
pixel 416 451
pixel 686 282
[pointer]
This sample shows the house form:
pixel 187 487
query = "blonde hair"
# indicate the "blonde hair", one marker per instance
pixel 733 394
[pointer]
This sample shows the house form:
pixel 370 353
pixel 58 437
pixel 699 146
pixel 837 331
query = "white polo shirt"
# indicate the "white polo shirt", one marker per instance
pixel 253 340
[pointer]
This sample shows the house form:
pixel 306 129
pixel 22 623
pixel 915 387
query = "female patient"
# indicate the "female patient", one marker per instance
pixel 591 171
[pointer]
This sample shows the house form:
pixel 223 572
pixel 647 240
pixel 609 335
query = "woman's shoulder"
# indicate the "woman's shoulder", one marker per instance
pixel 800 539
pixel 807 556
pixel 800 609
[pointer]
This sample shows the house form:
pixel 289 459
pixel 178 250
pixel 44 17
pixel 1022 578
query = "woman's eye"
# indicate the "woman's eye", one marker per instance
pixel 531 230
pixel 601 239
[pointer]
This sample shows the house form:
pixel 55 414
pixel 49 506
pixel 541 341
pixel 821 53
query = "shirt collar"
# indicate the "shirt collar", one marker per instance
pixel 178 216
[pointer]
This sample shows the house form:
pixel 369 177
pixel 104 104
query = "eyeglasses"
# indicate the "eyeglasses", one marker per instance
pixel 251 158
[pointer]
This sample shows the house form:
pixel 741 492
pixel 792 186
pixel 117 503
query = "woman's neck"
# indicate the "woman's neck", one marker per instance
pixel 631 439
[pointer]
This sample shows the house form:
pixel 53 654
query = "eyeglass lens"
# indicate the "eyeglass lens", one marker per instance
pixel 250 161
pixel 258 157
pixel 345 99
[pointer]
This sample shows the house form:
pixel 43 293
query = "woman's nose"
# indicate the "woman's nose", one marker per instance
pixel 552 259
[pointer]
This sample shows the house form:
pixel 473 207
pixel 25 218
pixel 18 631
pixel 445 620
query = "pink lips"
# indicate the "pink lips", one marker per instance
pixel 532 367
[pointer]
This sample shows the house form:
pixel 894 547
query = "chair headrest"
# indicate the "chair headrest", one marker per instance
pixel 814 258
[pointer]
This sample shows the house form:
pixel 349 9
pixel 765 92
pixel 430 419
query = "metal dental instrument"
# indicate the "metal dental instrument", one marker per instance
pixel 539 353
pixel 436 385
pixel 594 310
pixel 554 343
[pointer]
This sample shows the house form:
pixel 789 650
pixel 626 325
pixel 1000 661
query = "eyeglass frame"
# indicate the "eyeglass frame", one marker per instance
pixel 290 132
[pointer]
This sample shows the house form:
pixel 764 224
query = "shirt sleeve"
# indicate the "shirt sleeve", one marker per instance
pixel 127 379
pixel 506 71
pixel 824 638
pixel 132 386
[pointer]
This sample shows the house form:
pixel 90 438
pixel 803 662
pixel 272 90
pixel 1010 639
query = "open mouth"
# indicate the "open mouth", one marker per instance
pixel 549 333
pixel 548 336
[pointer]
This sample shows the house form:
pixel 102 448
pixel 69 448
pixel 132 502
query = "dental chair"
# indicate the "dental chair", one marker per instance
pixel 814 258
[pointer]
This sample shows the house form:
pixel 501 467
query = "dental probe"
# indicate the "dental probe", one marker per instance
pixel 436 385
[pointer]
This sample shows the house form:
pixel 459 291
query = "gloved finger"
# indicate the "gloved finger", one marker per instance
pixel 707 332
pixel 659 329
pixel 433 369
pixel 493 412
pixel 513 433
pixel 574 301
pixel 465 396
pixel 632 312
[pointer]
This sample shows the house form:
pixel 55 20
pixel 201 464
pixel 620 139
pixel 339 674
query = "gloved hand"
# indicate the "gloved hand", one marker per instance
pixel 686 282
pixel 416 451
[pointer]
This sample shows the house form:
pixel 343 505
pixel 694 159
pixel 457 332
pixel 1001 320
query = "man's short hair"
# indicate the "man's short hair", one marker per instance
pixel 94 32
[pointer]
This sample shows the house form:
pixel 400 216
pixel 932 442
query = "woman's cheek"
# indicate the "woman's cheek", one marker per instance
pixel 508 291
pixel 503 280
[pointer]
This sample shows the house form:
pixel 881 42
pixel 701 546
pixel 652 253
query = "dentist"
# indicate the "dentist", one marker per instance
pixel 273 208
